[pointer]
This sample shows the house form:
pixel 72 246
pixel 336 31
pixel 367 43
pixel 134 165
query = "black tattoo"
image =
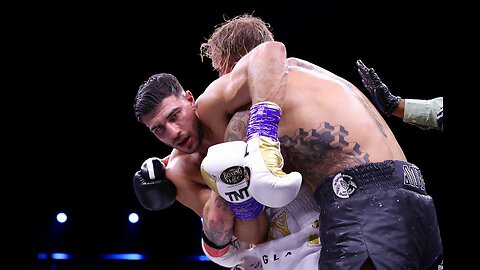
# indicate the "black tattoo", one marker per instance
pixel 222 204
pixel 316 154
pixel 237 128
pixel 320 152
pixel 217 232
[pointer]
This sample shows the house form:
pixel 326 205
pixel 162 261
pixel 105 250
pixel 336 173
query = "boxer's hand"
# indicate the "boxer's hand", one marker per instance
pixel 228 256
pixel 381 96
pixel 153 190
pixel 222 169
pixel 268 183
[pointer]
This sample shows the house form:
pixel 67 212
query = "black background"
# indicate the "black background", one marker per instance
pixel 93 58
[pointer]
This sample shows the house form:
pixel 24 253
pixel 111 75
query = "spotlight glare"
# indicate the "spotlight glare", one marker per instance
pixel 61 217
pixel 60 256
pixel 133 218
pixel 124 256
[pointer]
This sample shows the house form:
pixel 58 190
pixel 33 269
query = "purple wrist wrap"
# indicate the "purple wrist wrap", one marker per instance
pixel 246 210
pixel 263 121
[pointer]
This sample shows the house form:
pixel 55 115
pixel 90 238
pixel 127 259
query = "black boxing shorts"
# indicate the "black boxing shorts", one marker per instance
pixel 379 211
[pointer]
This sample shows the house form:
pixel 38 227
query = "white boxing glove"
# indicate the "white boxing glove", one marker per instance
pixel 223 170
pixel 268 183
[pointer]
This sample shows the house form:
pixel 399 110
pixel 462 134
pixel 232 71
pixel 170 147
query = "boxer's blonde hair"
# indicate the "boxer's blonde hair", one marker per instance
pixel 233 39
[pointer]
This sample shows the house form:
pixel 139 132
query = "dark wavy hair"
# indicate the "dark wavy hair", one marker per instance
pixel 154 91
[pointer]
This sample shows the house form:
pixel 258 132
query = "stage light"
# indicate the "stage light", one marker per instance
pixel 61 217
pixel 133 218
pixel 61 256
pixel 124 256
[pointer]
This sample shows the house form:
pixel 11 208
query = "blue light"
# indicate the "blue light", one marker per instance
pixel 60 256
pixel 133 217
pixel 61 217
pixel 198 258
pixel 42 256
pixel 116 256
pixel 124 256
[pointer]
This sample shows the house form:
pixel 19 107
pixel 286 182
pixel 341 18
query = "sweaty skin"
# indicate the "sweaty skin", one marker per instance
pixel 327 125
pixel 178 123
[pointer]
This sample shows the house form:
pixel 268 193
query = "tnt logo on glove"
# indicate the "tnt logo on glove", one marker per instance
pixel 236 180
pixel 223 170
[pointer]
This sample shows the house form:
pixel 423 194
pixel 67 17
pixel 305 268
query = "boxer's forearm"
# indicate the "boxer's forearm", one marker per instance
pixel 218 221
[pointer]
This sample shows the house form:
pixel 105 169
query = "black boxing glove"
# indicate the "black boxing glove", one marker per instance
pixel 152 188
pixel 381 96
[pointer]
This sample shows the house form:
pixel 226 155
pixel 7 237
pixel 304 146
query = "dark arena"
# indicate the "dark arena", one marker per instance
pixel 359 147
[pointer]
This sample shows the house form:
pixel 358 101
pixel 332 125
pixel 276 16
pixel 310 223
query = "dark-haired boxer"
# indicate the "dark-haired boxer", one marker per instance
pixel 327 126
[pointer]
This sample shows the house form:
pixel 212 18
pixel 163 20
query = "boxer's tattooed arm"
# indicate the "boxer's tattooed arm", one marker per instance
pixel 215 230
pixel 236 129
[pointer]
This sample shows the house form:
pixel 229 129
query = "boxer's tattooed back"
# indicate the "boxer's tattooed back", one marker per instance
pixel 315 153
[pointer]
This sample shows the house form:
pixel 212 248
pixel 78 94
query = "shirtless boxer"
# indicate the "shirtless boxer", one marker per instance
pixel 348 156
pixel 160 194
